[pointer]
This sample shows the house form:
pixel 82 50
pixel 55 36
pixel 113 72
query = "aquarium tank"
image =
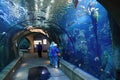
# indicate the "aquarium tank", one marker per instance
pixel 87 41
pixel 24 43
pixel 81 28
pixel 10 15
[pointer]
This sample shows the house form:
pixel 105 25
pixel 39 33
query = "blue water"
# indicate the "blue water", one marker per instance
pixel 88 26
pixel 85 36
pixel 10 15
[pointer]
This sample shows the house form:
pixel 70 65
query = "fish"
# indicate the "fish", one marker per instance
pixel 96 14
pixel 42 18
pixel 43 10
pixel 70 23
pixel 75 3
pixel 82 7
pixel 11 3
pixel 96 58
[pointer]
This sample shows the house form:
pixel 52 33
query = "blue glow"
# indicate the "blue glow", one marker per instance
pixel 90 44
pixel 87 42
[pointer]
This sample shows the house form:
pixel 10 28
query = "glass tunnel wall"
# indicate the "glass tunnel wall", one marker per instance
pixel 85 41
pixel 24 43
pixel 10 14
pixel 88 43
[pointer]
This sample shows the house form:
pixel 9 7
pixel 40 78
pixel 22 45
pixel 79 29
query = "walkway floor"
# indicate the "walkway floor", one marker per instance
pixel 30 61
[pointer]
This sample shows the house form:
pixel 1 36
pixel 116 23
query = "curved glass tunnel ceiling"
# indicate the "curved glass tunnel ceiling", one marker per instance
pixel 78 28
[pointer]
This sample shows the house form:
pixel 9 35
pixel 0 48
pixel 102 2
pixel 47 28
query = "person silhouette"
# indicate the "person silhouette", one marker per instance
pixel 39 49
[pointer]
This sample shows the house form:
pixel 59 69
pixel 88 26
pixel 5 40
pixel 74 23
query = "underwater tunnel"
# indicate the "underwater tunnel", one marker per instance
pixel 86 31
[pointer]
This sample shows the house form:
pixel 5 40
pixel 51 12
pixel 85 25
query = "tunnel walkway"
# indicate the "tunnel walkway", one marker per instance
pixel 32 60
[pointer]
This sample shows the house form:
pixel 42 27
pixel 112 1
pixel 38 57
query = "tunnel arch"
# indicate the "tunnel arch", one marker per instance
pixel 20 35
pixel 51 24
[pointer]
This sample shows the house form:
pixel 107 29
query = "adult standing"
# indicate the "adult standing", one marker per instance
pixel 39 49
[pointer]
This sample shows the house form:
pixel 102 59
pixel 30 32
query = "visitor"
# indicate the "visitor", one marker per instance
pixel 50 53
pixel 55 52
pixel 39 49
